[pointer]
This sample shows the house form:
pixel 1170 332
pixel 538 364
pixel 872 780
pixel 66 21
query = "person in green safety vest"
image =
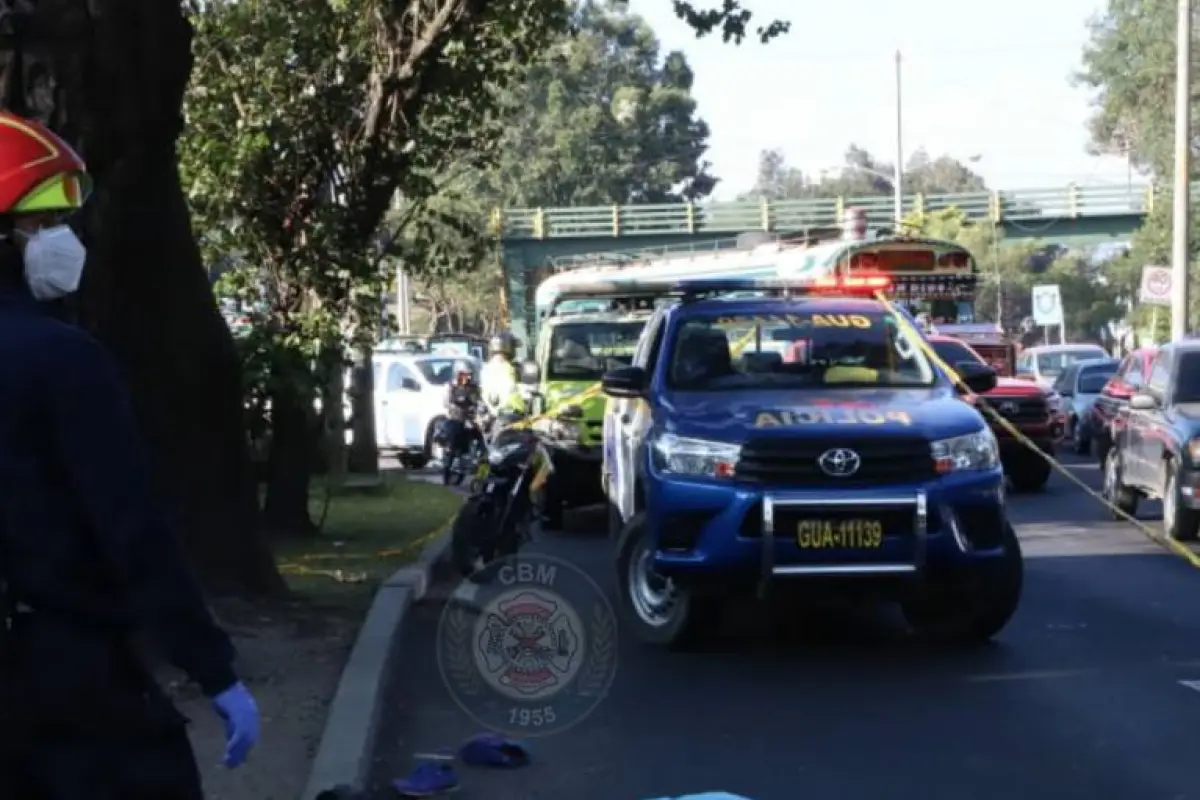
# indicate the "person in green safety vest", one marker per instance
pixel 499 380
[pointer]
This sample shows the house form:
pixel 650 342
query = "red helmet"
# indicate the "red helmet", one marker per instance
pixel 39 172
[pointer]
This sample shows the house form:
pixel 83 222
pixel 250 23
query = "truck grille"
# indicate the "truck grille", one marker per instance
pixel 793 461
pixel 1019 409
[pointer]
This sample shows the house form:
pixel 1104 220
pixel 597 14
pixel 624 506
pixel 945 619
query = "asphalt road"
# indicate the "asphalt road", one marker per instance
pixel 1093 691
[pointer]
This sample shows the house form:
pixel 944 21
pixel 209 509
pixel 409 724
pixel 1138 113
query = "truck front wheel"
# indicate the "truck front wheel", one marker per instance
pixel 656 609
pixel 1028 473
pixel 971 606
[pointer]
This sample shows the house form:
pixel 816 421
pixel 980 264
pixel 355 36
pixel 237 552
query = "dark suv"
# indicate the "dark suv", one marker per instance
pixel 1155 451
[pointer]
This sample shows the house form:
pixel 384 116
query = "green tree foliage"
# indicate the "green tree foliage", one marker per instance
pixel 1129 63
pixel 861 176
pixel 1010 270
pixel 302 128
pixel 604 116
pixel 730 19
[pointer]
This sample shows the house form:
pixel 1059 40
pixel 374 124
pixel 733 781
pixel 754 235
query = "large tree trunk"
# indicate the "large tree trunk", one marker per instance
pixel 333 456
pixel 121 68
pixel 364 455
pixel 289 467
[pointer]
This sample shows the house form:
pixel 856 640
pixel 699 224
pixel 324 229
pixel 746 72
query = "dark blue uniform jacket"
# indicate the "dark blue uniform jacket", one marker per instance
pixel 84 544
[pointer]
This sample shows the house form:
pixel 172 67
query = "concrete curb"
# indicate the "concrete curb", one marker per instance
pixel 343 757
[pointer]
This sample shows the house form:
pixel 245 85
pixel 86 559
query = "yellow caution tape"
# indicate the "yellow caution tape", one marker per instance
pixel 1170 544
pixel 342 576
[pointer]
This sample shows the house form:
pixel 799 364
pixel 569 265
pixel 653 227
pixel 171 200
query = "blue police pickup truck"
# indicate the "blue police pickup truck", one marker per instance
pixel 767 433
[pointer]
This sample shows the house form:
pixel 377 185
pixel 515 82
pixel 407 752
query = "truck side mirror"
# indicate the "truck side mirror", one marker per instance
pixel 979 378
pixel 1143 402
pixel 624 382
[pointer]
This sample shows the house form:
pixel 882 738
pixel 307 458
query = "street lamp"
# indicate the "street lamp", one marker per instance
pixel 898 167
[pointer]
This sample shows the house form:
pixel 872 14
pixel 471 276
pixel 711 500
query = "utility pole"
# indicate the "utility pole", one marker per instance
pixel 1180 222
pixel 898 170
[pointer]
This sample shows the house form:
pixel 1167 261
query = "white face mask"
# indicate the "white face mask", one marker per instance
pixel 54 262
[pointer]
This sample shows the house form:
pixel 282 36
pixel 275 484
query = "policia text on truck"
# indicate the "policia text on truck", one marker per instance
pixel 757 439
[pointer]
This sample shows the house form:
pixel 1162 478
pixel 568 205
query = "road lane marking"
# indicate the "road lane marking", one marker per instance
pixel 1032 675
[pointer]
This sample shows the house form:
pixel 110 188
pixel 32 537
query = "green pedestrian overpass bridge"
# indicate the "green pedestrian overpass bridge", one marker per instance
pixel 539 241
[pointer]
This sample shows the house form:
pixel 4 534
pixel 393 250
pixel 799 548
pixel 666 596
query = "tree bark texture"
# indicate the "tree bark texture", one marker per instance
pixel 294 438
pixel 109 75
pixel 363 455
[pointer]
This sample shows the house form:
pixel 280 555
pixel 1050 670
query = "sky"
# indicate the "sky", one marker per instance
pixel 986 80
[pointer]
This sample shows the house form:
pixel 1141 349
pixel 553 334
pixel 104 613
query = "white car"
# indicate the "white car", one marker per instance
pixel 410 400
pixel 1045 363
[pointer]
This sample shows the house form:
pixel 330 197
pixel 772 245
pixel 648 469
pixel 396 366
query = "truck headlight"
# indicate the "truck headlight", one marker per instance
pixel 682 455
pixel 973 451
pixel 567 431
pixel 496 455
pixel 1193 450
pixel 559 430
pixel 570 413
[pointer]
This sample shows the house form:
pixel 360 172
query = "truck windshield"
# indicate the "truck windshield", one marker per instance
pixel 439 371
pixel 1093 379
pixel 795 350
pixel 1187 378
pixel 954 352
pixel 584 351
pixel 1052 364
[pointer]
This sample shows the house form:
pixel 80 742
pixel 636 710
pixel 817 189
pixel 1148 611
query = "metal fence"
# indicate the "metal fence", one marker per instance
pixel 1067 202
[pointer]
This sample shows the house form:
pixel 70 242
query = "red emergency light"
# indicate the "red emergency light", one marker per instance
pixel 853 284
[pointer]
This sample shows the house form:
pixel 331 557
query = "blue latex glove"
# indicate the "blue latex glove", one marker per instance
pixel 236 706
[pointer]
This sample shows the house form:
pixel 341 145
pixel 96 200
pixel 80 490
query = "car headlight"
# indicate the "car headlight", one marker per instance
pixel 1193 450
pixel 973 451
pixel 682 455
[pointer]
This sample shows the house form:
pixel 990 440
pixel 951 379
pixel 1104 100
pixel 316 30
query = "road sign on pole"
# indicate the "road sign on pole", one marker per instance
pixel 1047 305
pixel 1156 286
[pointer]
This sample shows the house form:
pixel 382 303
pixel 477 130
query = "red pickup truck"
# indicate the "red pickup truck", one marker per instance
pixel 1025 405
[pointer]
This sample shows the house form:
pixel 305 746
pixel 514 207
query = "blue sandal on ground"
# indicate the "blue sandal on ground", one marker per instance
pixel 427 780
pixel 490 750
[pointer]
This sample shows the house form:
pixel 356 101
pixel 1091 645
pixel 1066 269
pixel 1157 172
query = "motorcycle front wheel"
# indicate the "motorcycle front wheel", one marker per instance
pixel 472 543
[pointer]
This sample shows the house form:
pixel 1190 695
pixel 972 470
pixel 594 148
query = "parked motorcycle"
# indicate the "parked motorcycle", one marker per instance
pixel 497 519
pixel 464 449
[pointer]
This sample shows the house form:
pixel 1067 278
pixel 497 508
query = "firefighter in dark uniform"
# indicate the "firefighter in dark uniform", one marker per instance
pixel 87 559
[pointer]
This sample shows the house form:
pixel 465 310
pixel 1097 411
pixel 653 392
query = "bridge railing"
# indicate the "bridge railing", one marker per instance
pixel 658 219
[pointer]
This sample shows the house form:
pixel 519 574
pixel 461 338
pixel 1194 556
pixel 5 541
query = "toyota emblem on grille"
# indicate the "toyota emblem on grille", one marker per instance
pixel 839 463
pixel 1009 409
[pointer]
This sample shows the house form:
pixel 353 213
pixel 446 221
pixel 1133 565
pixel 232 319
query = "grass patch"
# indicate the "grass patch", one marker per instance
pixel 368 533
